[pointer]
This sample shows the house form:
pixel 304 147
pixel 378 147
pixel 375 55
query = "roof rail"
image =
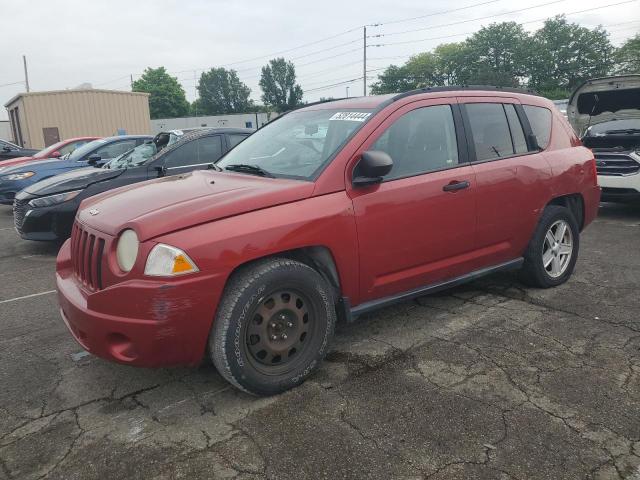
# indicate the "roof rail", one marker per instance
pixel 491 88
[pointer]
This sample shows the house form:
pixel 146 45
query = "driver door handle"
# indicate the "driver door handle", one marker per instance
pixel 456 185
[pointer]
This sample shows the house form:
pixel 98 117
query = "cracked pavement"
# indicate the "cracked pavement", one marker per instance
pixel 491 380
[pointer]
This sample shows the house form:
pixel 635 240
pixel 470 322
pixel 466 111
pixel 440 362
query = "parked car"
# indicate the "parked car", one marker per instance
pixel 46 210
pixel 10 150
pixel 606 114
pixel 57 150
pixel 97 152
pixel 252 263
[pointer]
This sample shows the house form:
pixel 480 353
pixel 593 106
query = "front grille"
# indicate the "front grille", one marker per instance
pixel 617 164
pixel 19 211
pixel 87 251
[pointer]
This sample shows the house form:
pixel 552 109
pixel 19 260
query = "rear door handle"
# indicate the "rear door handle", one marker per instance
pixel 455 186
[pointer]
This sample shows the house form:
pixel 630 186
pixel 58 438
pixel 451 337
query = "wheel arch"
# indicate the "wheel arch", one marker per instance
pixel 574 202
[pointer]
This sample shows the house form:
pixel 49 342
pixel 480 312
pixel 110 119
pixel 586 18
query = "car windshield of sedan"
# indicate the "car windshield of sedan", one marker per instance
pixel 298 145
pixel 134 157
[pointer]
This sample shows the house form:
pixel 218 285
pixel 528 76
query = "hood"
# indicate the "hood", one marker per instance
pixel 16 161
pixel 161 206
pixel 604 99
pixel 37 165
pixel 73 180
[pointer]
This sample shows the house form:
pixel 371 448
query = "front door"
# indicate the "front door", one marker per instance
pixel 197 154
pixel 417 227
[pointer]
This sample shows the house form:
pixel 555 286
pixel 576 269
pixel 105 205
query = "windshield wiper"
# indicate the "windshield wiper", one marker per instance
pixel 251 169
pixel 624 130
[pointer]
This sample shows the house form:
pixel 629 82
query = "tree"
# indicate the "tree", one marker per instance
pixel 421 70
pixel 454 61
pixel 497 55
pixel 563 55
pixel 279 87
pixel 221 91
pixel 627 57
pixel 166 95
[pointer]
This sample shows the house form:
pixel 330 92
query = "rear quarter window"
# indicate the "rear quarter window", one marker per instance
pixel 540 119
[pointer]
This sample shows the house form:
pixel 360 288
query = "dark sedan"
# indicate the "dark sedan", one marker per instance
pixel 46 210
pixel 11 150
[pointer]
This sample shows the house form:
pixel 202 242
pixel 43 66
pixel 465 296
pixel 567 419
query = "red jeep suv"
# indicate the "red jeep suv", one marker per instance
pixel 328 212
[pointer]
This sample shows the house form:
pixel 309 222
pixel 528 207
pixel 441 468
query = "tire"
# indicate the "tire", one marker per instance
pixel 536 271
pixel 263 310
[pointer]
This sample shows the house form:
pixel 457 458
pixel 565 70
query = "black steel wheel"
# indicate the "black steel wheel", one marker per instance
pixel 273 326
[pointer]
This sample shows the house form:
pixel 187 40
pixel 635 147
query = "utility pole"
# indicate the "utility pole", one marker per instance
pixel 195 89
pixel 132 82
pixel 364 62
pixel 26 75
pixel 347 91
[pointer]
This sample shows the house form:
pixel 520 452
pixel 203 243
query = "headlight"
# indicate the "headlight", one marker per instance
pixel 167 261
pixel 127 250
pixel 18 176
pixel 53 199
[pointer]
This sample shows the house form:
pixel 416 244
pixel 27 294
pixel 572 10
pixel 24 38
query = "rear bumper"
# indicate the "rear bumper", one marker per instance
pixel 146 323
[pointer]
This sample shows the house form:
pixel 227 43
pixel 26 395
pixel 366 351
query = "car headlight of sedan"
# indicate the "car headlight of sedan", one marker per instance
pixel 17 176
pixel 53 199
pixel 167 261
pixel 127 250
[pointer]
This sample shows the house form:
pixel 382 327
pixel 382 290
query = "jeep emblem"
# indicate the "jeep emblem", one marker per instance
pixel 94 212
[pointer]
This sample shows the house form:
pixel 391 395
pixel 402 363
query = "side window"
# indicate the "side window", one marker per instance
pixel 209 149
pixel 196 152
pixel 490 130
pixel 115 149
pixel 540 120
pixel 235 139
pixel 515 127
pixel 420 141
pixel 71 147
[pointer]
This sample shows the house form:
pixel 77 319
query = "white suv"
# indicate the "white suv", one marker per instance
pixel 605 112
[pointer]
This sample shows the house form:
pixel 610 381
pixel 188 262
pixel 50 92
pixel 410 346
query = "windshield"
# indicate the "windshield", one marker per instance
pixel 134 157
pixel 605 127
pixel 80 152
pixel 297 145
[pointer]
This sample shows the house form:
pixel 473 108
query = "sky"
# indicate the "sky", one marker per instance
pixel 104 43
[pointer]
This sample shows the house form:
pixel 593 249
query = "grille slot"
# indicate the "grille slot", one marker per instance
pixel 616 164
pixel 19 210
pixel 87 251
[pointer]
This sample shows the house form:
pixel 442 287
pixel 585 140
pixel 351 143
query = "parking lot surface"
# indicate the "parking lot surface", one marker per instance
pixel 489 380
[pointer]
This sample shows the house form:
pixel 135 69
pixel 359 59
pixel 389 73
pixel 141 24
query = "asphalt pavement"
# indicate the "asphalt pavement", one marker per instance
pixel 489 380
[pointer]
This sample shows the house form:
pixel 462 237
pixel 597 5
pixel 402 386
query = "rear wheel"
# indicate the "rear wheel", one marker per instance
pixel 553 250
pixel 273 326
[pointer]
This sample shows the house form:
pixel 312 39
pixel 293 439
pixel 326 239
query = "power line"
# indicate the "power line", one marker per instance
pixel 468 20
pixel 433 14
pixel 520 23
pixel 12 83
pixel 334 85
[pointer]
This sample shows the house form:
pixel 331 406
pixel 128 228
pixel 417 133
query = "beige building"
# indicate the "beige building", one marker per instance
pixel 39 119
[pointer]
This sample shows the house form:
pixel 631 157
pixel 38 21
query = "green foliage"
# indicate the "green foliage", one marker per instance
pixel 279 87
pixel 566 54
pixel 554 60
pixel 221 91
pixel 166 95
pixel 627 57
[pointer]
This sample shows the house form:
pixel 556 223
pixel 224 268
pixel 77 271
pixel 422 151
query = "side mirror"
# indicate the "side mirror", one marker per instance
pixel 6 149
pixel 372 167
pixel 55 154
pixel 93 159
pixel 161 169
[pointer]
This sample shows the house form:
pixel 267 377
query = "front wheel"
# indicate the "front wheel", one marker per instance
pixel 273 326
pixel 553 250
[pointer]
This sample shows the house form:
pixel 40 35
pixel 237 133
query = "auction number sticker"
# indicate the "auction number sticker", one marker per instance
pixel 351 116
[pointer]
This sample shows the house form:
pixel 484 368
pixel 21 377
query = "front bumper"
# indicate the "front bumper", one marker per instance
pixel 8 191
pixel 45 223
pixel 620 188
pixel 141 322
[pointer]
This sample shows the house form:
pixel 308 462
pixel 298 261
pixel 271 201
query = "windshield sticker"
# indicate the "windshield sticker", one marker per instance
pixel 351 116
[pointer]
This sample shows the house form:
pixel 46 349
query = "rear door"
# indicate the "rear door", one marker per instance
pixel 417 226
pixel 511 177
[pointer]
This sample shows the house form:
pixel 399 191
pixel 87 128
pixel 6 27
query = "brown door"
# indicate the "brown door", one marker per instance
pixel 51 135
